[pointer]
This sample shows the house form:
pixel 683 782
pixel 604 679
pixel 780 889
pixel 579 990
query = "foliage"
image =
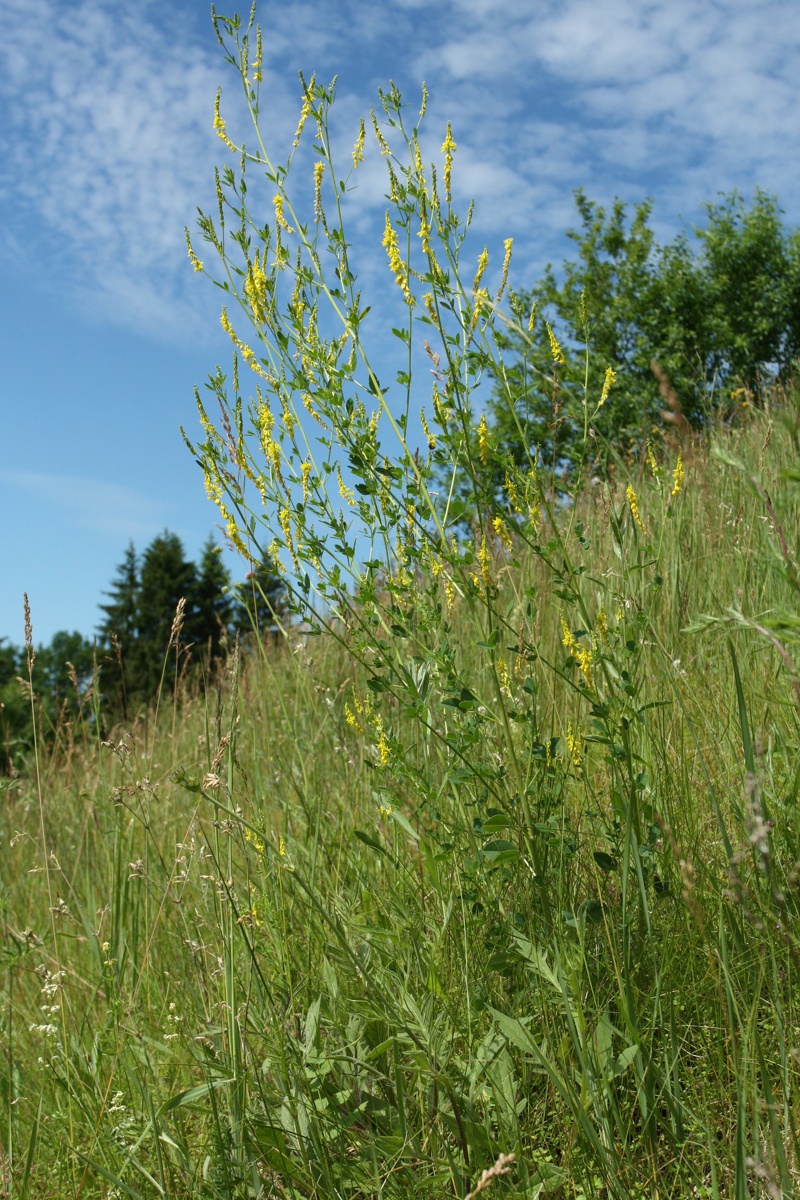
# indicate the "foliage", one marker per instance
pixel 486 862
pixel 719 318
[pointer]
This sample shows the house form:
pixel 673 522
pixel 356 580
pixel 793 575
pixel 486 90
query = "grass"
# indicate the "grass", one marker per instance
pixel 298 937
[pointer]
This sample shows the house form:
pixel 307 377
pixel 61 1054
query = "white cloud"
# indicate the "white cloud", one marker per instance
pixel 109 144
pixel 91 505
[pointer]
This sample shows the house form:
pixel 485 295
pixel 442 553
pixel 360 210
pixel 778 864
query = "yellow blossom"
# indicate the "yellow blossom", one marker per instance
pixel 485 561
pixel 608 382
pixel 305 471
pixel 501 530
pixel 358 149
pixel 219 124
pixel 193 259
pixel 277 203
pixel 574 744
pixel 483 440
pixel 344 491
pixel 258 74
pixel 448 150
pixel 319 172
pixel 304 111
pixel 555 348
pixel 431 437
pixel 395 261
pixel 677 477
pixel 483 262
pixel 634 505
pixel 507 245
pixel 601 623
pixel 532 317
pixel 568 640
pixel 385 151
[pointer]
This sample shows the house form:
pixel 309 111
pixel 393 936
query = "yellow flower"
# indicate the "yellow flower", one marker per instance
pixel 219 124
pixel 532 317
pixel 344 491
pixel 431 437
pixel 568 640
pixel 555 348
pixel 483 262
pixel 278 202
pixel 507 245
pixel 448 150
pixel 193 259
pixel 677 477
pixel 501 530
pixel 608 383
pixel 483 440
pixel 358 149
pixel 634 504
pixel 392 248
pixel 304 111
pixel 319 171
pixel 385 151
pixel 305 471
pixel 574 743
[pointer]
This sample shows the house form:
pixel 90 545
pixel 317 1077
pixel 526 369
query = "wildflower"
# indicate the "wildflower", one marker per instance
pixel 305 470
pixel 358 149
pixel 504 676
pixel 555 348
pixel 258 73
pixel 501 530
pixel 601 624
pixel 608 382
pixel 219 124
pixel 385 151
pixel 344 491
pixel 431 437
pixel 304 111
pixel 395 261
pixel 574 744
pixel 384 752
pixel 319 171
pixel 483 263
pixel 483 440
pixel 677 477
pixel 385 810
pixel 634 504
pixel 193 259
pixel 424 103
pixel 485 561
pixel 507 244
pixel 651 460
pixel 448 150
pixel 280 219
pixel 568 640
pixel 532 317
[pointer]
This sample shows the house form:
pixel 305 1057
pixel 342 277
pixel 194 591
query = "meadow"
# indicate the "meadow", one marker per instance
pixel 242 958
pixel 481 874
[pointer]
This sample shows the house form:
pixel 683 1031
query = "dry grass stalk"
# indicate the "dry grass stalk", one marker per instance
pixel 502 1167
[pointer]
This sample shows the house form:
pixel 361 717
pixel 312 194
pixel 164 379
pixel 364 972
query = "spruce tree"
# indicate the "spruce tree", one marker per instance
pixel 119 634
pixel 213 600
pixel 261 600
pixel 166 577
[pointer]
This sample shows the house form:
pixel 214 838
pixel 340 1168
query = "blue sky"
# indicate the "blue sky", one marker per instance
pixel 106 149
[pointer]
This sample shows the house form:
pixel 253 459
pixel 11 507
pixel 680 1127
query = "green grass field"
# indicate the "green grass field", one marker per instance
pixel 293 935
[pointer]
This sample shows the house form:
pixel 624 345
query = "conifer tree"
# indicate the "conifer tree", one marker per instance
pixel 119 634
pixel 261 600
pixel 166 577
pixel 213 600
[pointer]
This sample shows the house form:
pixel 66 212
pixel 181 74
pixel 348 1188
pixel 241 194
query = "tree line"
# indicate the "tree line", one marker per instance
pixel 125 658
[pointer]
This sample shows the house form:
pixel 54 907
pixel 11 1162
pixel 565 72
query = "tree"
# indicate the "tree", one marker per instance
pixel 718 316
pixel 166 577
pixel 69 660
pixel 213 599
pixel 261 600
pixel 119 633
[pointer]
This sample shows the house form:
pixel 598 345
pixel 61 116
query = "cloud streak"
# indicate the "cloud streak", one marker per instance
pixel 109 144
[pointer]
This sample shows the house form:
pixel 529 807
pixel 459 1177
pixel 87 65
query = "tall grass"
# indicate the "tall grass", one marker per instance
pixel 243 958
pixel 483 876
